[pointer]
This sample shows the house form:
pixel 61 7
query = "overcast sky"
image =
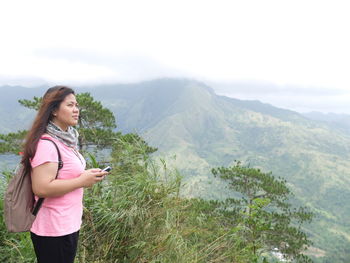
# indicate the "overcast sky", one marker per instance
pixel 293 54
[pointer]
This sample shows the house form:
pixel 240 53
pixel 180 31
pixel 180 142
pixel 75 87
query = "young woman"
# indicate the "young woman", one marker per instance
pixel 55 230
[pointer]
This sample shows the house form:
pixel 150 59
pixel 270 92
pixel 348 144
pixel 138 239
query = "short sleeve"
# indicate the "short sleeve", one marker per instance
pixel 46 152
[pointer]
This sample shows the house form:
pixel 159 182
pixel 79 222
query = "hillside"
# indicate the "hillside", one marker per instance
pixel 187 119
pixel 334 120
pixel 13 116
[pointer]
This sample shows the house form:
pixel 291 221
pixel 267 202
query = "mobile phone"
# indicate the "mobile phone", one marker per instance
pixel 107 169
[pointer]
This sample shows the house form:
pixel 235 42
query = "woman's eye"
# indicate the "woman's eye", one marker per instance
pixel 73 105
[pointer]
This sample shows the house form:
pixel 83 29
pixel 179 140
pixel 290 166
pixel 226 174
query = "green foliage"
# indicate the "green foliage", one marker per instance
pixel 129 151
pixel 96 124
pixel 136 215
pixel 267 219
pixel 31 104
pixel 11 142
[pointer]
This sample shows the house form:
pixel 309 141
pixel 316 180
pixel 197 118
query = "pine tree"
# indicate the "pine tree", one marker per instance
pixel 96 126
pixel 261 209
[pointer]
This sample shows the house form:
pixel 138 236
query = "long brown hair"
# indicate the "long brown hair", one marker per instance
pixel 51 101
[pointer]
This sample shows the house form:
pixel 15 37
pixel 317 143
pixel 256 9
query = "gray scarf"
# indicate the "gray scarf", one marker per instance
pixel 69 138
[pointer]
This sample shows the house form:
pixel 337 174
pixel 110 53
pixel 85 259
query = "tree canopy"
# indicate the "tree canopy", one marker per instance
pixel 96 125
pixel 262 209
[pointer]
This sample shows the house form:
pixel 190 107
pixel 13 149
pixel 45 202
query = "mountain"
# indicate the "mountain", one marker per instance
pixel 186 118
pixel 334 120
pixel 13 116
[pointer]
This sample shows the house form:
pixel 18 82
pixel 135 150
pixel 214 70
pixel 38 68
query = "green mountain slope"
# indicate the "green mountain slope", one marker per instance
pixel 187 119
pixel 334 120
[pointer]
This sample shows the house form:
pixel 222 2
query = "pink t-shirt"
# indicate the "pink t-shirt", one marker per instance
pixel 59 216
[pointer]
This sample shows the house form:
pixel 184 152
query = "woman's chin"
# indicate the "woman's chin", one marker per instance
pixel 74 123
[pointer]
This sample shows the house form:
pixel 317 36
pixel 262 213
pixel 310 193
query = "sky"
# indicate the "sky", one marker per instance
pixel 292 54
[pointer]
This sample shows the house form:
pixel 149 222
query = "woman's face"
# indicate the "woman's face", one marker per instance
pixel 67 113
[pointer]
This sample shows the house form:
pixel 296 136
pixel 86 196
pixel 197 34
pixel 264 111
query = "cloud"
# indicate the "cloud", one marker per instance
pixel 119 67
pixel 282 42
pixel 277 51
pixel 27 81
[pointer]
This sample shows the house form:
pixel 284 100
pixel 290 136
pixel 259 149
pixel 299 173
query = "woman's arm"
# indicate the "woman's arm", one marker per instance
pixel 44 183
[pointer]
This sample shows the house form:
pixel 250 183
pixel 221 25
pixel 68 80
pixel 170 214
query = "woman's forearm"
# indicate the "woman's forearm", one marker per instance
pixel 58 187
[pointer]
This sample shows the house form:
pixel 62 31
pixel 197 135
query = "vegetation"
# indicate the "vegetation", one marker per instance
pixel 262 209
pixel 137 214
pixel 96 125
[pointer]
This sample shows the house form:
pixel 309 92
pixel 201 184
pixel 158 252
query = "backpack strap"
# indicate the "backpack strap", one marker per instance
pixel 60 165
pixel 60 162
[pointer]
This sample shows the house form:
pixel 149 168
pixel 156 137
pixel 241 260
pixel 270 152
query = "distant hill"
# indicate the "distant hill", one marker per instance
pixel 13 116
pixel 334 120
pixel 186 118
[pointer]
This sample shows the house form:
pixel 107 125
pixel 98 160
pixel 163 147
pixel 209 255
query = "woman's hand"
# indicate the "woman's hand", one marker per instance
pixel 91 176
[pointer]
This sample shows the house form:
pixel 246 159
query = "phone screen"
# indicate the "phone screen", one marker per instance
pixel 107 169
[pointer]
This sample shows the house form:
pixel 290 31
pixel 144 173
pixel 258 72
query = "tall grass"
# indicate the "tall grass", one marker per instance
pixel 141 218
pixel 137 215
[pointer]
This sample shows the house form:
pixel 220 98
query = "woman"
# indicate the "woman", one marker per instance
pixel 55 230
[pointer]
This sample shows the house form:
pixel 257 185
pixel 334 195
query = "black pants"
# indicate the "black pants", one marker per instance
pixel 55 249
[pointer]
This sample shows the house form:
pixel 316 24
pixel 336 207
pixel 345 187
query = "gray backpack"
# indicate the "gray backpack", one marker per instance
pixel 20 208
